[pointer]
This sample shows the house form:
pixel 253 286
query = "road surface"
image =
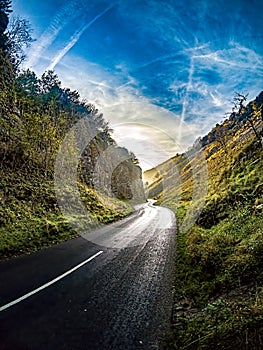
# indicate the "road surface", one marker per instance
pixel 113 291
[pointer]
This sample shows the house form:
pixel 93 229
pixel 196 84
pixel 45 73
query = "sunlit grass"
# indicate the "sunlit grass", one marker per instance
pixel 219 268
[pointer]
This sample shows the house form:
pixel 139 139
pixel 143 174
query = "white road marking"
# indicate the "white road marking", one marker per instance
pixel 4 307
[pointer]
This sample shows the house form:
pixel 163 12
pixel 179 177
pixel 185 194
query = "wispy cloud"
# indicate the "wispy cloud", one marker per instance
pixel 75 38
pixel 139 122
pixel 217 101
pixel 61 19
pixel 186 98
pixel 162 75
pixel 156 60
pixel 149 130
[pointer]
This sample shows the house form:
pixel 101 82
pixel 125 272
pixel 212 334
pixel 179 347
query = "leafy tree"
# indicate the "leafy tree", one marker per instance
pixel 7 98
pixel 5 9
pixel 36 113
pixel 49 82
pixel 70 97
pixel 29 82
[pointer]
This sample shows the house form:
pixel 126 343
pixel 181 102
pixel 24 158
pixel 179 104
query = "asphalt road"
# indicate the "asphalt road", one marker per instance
pixel 113 292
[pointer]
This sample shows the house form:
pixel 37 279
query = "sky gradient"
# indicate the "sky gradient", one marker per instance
pixel 162 72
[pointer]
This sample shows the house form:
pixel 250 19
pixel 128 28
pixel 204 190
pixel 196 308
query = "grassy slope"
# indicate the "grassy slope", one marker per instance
pixel 29 216
pixel 219 279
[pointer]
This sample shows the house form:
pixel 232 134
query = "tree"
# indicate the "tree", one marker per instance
pixel 49 82
pixel 221 136
pixel 50 92
pixel 5 6
pixel 15 35
pixel 5 9
pixel 18 38
pixel 245 113
pixel 251 118
pixel 70 97
pixel 29 82
pixel 133 158
pixel 7 97
pixel 238 102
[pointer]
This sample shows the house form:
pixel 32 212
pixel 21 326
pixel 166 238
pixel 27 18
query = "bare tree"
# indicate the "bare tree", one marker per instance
pixel 245 113
pixel 18 39
pixel 238 102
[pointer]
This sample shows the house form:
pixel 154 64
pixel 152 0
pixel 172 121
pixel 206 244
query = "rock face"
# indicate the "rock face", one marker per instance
pixel 112 171
pixel 126 181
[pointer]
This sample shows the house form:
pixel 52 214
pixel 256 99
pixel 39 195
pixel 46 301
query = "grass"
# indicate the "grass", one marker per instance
pixel 219 284
pixel 228 254
pixel 30 218
pixel 218 294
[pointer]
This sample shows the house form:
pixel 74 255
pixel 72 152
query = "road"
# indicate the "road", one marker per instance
pixel 110 290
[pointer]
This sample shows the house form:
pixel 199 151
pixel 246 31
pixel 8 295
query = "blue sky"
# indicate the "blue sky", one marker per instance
pixel 162 72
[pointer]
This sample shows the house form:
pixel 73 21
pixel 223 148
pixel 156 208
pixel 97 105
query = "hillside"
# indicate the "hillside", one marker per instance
pixel 37 115
pixel 216 191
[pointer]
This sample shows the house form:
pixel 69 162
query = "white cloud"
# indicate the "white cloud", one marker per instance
pixel 153 133
pixel 136 118
pixel 217 101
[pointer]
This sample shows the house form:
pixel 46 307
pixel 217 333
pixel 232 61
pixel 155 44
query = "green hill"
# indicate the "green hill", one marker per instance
pixel 216 191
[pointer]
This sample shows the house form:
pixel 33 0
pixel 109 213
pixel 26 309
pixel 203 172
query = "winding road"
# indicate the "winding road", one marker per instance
pixel 109 290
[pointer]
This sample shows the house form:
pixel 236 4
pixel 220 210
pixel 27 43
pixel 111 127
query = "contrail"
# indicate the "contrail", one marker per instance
pixel 46 39
pixel 186 98
pixel 75 38
pixel 157 59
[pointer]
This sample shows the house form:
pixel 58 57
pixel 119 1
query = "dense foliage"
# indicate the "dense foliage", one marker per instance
pixel 35 115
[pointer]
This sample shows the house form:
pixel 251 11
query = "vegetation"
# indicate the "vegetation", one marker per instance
pixel 219 271
pixel 35 115
pixel 219 275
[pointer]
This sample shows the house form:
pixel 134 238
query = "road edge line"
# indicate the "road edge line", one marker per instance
pixel 18 300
